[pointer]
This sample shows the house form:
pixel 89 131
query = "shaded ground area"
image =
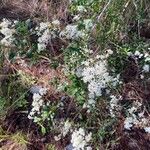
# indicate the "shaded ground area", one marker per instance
pixel 25 9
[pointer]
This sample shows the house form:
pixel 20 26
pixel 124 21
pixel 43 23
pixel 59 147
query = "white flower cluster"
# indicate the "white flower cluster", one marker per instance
pixel 146 66
pixel 147 129
pixel 114 106
pixel 7 30
pixel 136 118
pixel 146 56
pixel 72 32
pixel 88 24
pixel 44 40
pixel 56 23
pixel 64 130
pixel 76 18
pixel 81 9
pixel 80 140
pixel 74 59
pixel 46 33
pixel 96 75
pixel 37 104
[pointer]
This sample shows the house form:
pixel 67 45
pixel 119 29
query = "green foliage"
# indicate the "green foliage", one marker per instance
pixel 118 60
pixel 77 89
pixel 51 147
pixel 2 106
pixel 22 28
pixel 25 46
pixel 117 63
pixel 13 94
pixel 45 119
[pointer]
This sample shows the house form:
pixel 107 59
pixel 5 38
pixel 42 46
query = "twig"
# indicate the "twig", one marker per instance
pixel 101 14
pixel 136 8
pixel 125 7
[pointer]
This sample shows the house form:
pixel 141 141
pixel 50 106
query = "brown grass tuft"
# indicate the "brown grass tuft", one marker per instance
pixel 42 9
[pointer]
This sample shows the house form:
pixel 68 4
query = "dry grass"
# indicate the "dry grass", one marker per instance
pixel 42 9
pixel 10 145
pixel 38 74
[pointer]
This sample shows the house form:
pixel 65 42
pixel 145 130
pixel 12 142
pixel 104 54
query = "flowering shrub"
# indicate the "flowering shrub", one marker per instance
pixel 105 87
pixel 7 30
pixel 97 77
pixel 80 139
pixel 37 103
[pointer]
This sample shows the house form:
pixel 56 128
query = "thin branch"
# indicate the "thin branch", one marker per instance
pixel 138 22
pixel 101 14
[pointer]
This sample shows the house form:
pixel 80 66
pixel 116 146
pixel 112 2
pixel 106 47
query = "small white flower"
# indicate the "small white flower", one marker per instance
pixel 15 22
pixel 72 32
pixel 56 22
pixel 147 59
pixel 80 140
pixel 5 23
pixel 37 104
pixel 88 137
pixel 141 114
pixel 137 53
pixel 129 53
pixel 6 41
pixel 36 97
pixel 41 46
pixel 142 76
pixel 96 75
pixel 146 55
pixel 109 51
pixel 81 131
pixel 91 102
pixel 57 138
pixel 147 129
pixel 146 68
pixel 114 106
pixel 43 26
pixel 76 18
pixel 88 148
pixel 30 117
pixel 7 30
pixel 43 91
pixel 88 24
pixel 43 40
pixel 81 9
pixel 128 123
pixel 98 56
pixel 66 128
pixel 86 63
pixel 79 72
pixel 132 110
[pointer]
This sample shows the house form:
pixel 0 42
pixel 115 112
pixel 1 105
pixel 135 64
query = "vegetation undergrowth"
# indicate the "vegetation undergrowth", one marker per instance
pixel 79 82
